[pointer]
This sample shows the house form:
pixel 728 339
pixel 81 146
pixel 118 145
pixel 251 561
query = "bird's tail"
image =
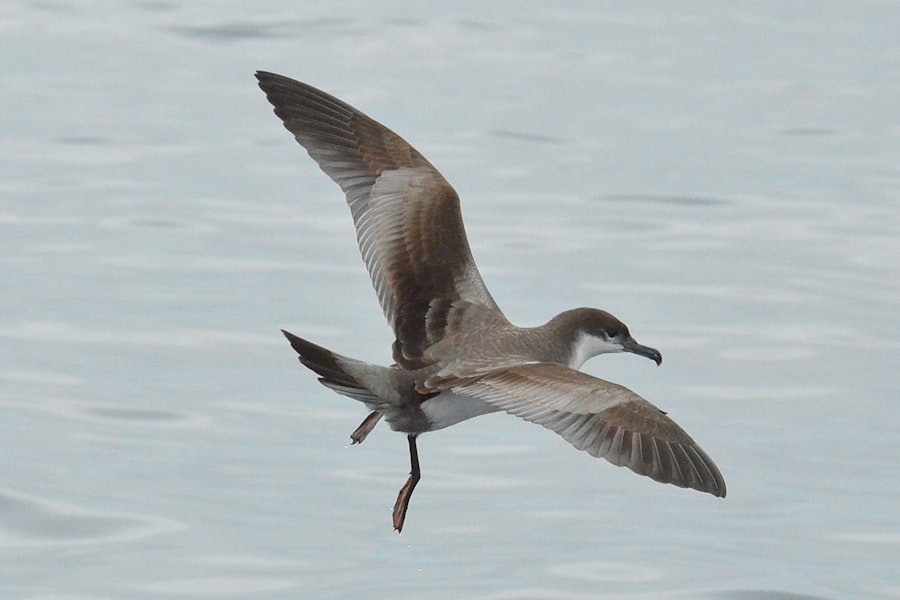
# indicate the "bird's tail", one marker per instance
pixel 335 371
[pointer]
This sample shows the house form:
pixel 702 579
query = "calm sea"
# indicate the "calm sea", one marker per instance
pixel 723 178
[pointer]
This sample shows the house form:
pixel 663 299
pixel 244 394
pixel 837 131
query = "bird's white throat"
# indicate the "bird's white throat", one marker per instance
pixel 588 346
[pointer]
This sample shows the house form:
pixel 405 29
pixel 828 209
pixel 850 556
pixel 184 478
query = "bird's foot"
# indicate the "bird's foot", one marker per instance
pixel 365 427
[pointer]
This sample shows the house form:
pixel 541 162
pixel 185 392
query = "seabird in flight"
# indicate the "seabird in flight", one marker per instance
pixel 456 355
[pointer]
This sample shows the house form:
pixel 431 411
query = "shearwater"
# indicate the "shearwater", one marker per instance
pixel 456 355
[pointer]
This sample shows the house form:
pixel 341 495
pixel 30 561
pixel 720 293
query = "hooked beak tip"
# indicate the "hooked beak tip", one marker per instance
pixel 645 351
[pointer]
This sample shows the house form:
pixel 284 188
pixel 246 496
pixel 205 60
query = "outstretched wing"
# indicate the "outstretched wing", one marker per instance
pixel 603 419
pixel 408 222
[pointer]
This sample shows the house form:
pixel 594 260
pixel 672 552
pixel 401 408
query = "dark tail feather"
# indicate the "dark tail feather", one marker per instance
pixel 319 359
pixel 331 367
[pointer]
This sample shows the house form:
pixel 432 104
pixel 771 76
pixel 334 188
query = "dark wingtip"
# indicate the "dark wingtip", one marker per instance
pixel 722 491
pixel 297 343
pixel 270 81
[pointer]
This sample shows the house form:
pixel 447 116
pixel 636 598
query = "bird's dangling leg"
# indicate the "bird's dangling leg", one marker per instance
pixel 406 492
pixel 366 427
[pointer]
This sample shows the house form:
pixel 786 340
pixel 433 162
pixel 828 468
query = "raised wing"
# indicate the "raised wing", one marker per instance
pixel 603 419
pixel 408 222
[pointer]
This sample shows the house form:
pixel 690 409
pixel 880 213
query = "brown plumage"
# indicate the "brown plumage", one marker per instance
pixel 456 355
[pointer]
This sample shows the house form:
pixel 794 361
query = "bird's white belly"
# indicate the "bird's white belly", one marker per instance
pixel 448 409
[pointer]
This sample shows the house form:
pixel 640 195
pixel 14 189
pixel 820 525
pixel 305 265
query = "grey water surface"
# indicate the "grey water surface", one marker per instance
pixel 725 178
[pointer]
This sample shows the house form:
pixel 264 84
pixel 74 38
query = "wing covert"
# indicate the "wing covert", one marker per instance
pixel 603 419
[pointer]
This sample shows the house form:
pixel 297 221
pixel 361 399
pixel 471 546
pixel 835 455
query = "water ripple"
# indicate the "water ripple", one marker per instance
pixel 604 571
pixel 26 520
pixel 220 586
pixel 760 595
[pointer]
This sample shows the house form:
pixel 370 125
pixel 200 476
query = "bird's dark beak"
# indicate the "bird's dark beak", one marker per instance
pixel 646 351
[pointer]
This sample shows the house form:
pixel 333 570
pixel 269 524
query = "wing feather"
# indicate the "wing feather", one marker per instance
pixel 603 419
pixel 408 223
